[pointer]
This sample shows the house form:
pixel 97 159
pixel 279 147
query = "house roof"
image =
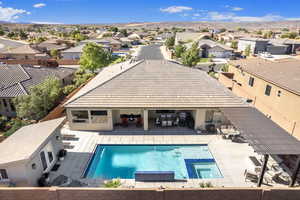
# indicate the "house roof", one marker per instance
pixel 24 49
pixel 156 84
pixel 49 45
pixel 284 42
pixel 254 39
pixel 76 49
pixel 284 73
pixel 17 80
pixel 27 140
pixel 186 36
pixel 213 44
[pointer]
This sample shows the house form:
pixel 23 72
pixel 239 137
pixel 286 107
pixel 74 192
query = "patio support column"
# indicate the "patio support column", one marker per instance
pixel 263 170
pixel 200 118
pixel 146 120
pixel 295 173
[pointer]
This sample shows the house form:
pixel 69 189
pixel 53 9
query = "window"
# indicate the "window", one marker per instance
pixel 33 166
pixel 99 116
pixel 98 113
pixel 12 106
pixel 3 174
pixel 79 116
pixel 50 156
pixel 251 81
pixel 4 102
pixel 268 90
pixel 43 159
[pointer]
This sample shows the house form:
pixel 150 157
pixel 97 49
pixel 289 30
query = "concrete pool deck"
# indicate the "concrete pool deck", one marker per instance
pixel 231 157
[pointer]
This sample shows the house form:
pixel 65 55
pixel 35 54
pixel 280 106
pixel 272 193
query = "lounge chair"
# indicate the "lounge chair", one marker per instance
pixel 253 177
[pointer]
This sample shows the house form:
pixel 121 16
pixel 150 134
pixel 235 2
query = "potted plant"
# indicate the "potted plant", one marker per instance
pixel 62 154
pixel 44 180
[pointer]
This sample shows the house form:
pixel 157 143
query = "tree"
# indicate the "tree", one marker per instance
pixel 94 57
pixel 234 44
pixel 81 76
pixel 11 35
pixel 290 35
pixel 268 34
pixel 2 32
pixel 54 53
pixel 40 101
pixel 23 35
pixel 247 50
pixel 191 57
pixel 179 50
pixel 113 29
pixel 124 32
pixel 259 32
pixel 170 42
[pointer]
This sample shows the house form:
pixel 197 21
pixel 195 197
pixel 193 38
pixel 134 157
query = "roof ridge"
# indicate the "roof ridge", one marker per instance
pixel 113 77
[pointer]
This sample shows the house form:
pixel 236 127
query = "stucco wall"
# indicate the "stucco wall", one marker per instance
pixel 22 174
pixel 89 125
pixel 283 110
pixel 148 194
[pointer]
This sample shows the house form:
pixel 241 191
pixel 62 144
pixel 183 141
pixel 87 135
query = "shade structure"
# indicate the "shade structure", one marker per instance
pixel 264 135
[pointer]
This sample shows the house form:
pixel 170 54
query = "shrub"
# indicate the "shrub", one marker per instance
pixel 206 185
pixel 68 89
pixel 115 183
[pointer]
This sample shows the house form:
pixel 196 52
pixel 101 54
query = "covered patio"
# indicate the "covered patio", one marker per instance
pixel 266 138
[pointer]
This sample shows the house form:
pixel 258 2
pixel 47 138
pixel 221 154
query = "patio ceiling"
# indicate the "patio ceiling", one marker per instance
pixel 264 135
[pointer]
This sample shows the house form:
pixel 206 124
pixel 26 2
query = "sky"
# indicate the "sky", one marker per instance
pixel 122 11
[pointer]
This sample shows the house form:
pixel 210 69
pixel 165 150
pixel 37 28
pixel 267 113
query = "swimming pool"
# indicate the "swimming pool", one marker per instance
pixel 122 161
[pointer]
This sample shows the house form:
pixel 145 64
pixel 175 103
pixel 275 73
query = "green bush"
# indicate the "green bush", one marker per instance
pixel 206 185
pixel 115 183
pixel 68 89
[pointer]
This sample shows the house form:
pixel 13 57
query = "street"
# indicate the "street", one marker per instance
pixel 151 52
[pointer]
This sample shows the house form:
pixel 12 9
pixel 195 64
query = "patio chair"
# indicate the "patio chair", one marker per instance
pixel 124 122
pixel 139 122
pixel 157 122
pixel 253 177
pixel 176 122
pixel 164 123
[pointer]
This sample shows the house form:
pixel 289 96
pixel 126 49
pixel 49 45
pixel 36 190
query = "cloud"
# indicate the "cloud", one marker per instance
pixel 237 8
pixel 217 16
pixel 234 8
pixel 11 14
pixel 39 5
pixel 40 22
pixel 176 9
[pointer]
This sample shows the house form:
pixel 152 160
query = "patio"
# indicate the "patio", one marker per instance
pixel 232 158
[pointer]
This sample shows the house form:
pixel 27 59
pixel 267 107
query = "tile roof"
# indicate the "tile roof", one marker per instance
pixel 284 73
pixel 76 49
pixel 17 80
pixel 26 141
pixel 24 49
pixel 213 44
pixel 254 39
pixel 186 36
pixel 156 84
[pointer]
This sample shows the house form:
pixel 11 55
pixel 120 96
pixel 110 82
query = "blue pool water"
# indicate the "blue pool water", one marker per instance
pixel 122 161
